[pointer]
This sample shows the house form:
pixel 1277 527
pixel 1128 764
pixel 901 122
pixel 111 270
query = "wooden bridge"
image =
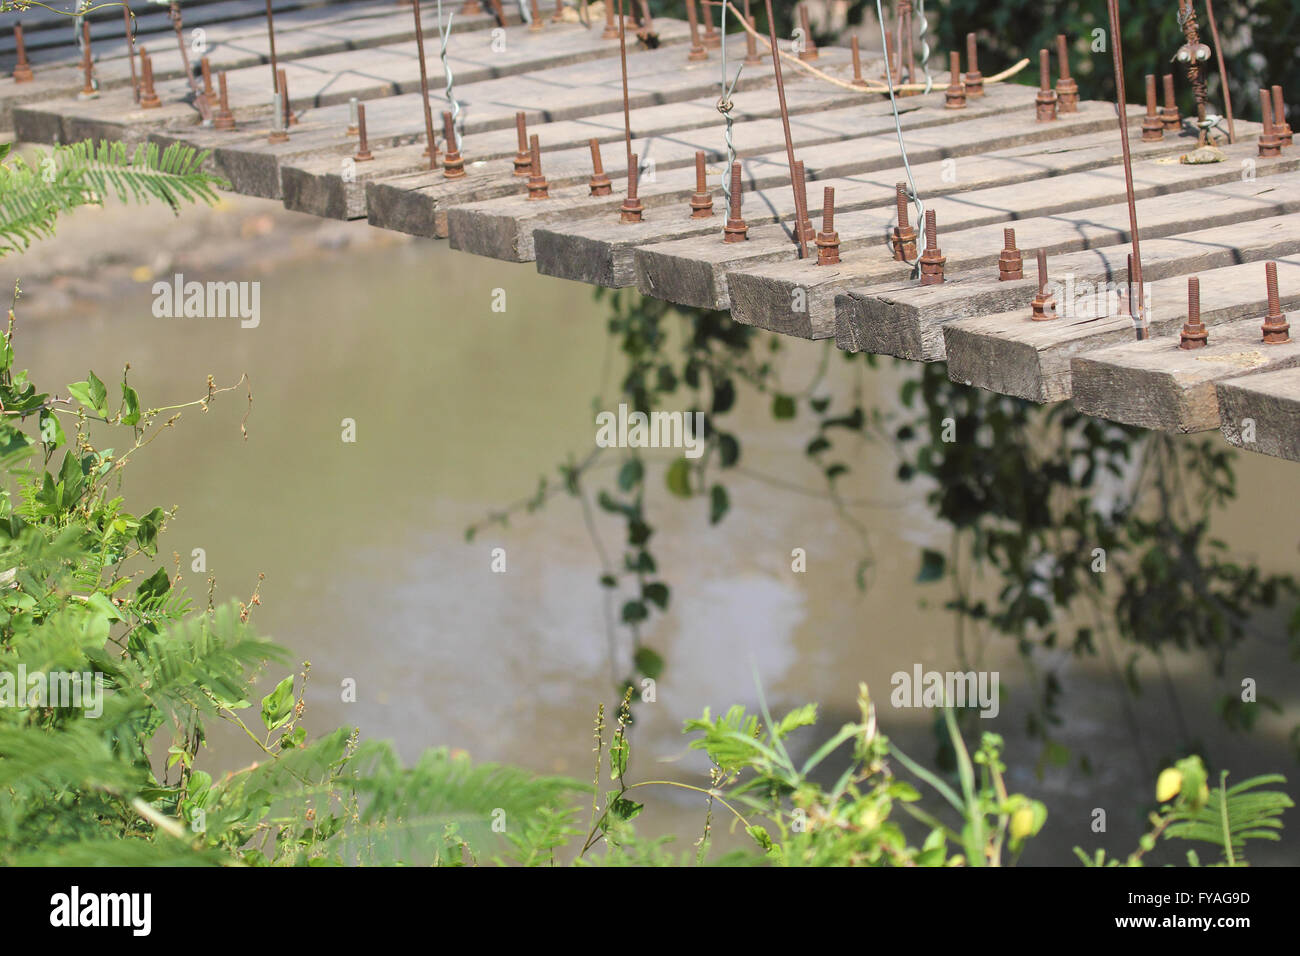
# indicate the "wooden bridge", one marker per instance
pixel 625 184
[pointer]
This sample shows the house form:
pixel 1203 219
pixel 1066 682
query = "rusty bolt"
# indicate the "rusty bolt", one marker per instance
pixel 523 158
pixel 974 79
pixel 1045 102
pixel 711 38
pixel 558 15
pixel 828 240
pixel 697 48
pixel 472 8
pixel 352 118
pixel 22 69
pixel 893 73
pixel 809 51
pixel 611 28
pixel 599 184
pixel 857 61
pixel 87 63
pixel 1067 90
pixel 803 224
pixel 278 133
pixel 1276 328
pixel 932 259
pixel 1153 129
pixel 735 229
pixel 223 119
pixel 1011 264
pixel 632 209
pixel 702 201
pixel 1280 125
pixel 538 188
pixel 149 97
pixel 1270 144
pixel 904 238
pixel 1195 335
pixel 1044 305
pixel 289 118
pixel 453 165
pixel 1173 123
pixel 205 69
pixel 536 23
pixel 363 153
pixel 955 96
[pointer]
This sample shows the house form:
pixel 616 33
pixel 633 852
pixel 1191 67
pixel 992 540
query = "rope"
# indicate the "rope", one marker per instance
pixel 445 32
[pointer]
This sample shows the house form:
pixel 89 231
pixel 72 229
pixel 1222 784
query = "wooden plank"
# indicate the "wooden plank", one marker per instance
pixel 856 329
pixel 1261 412
pixel 315 184
pixel 697 271
pixel 897 316
pixel 231 45
pixel 567 90
pixel 504 228
pixel 567 93
pixel 1013 355
pixel 1156 385
pixel 601 251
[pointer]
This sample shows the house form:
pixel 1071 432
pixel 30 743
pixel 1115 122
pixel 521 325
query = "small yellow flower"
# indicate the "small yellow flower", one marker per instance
pixel 1169 784
pixel 1022 823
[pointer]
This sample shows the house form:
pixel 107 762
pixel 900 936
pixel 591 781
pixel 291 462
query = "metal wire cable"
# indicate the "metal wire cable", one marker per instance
pixel 445 32
pixel 724 107
pixel 898 127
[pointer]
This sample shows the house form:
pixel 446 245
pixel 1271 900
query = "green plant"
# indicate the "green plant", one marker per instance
pixel 1225 817
pixel 35 192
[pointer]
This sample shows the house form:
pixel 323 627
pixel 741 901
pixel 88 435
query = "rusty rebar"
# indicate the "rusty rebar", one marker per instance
pixel 23 69
pixel 932 259
pixel 130 50
pixel 1276 329
pixel 904 236
pixel 809 51
pixel 363 153
pixel 1223 71
pixel 538 188
pixel 702 201
pixel 87 64
pixel 149 96
pixel 1280 126
pixel 1121 108
pixel 974 79
pixel 622 59
pixel 735 230
pixel 828 240
pixel 785 119
pixel 430 144
pixel 453 165
pixel 1194 334
pixel 1011 262
pixel 1270 144
pixel 1153 129
pixel 223 118
pixel 857 60
pixel 285 102
pixel 631 209
pixel 954 98
pixel 1067 89
pixel 270 34
pixel 697 51
pixel 1045 102
pixel 599 184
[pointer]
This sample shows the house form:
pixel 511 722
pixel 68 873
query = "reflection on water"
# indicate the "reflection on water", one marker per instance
pixel 458 410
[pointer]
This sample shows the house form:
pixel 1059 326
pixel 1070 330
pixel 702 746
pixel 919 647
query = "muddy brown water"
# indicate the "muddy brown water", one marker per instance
pixel 458 409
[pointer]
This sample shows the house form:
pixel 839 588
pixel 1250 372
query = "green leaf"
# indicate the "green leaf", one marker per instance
pixel 933 564
pixel 629 476
pixel 648 663
pixel 719 503
pixel 277 706
pixel 679 478
pixel 783 406
pixel 51 430
pixel 657 593
pixel 634 611
pixel 130 405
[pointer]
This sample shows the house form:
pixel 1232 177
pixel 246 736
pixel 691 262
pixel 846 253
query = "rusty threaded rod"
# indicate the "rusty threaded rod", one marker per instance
pixel 23 69
pixel 363 153
pixel 1276 329
pixel 901 192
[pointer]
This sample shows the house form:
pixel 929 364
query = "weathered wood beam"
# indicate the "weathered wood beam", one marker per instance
pixel 1261 412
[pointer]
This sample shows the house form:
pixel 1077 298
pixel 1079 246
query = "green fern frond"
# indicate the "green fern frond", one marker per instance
pixel 34 194
pixel 1233 815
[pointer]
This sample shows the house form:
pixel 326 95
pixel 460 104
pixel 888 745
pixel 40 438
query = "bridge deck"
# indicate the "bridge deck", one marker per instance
pixel 992 165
